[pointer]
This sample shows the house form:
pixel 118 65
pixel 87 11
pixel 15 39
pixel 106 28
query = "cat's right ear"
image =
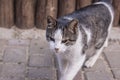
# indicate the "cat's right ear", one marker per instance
pixel 51 22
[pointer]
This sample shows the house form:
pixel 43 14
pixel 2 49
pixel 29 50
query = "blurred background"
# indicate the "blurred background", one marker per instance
pixel 27 14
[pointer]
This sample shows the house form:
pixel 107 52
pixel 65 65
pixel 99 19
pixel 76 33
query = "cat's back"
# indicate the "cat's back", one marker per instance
pixel 90 15
pixel 94 18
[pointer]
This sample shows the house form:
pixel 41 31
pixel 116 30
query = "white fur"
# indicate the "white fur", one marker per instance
pixel 68 18
pixel 90 62
pixel 88 32
pixel 75 60
pixel 58 35
pixel 51 43
pixel 73 69
pixel 106 41
pixel 57 43
pixel 58 39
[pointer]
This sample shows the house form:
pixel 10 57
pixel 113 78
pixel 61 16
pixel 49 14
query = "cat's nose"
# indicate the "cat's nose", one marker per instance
pixel 56 49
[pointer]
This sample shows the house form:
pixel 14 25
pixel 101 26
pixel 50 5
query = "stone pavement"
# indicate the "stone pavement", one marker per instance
pixel 31 59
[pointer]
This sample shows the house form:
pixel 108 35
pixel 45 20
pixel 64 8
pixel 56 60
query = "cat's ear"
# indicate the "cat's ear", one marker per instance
pixel 51 22
pixel 73 26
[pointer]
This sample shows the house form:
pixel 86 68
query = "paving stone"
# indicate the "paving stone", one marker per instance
pixel 15 54
pixel 37 79
pixel 13 70
pixel 100 65
pixel 1 50
pixel 3 42
pixel 1 54
pixel 12 78
pixel 1 57
pixel 98 76
pixel 38 46
pixel 42 73
pixel 112 54
pixel 18 42
pixel 79 76
pixel 116 73
pixel 113 46
pixel 114 33
pixel 41 51
pixel 113 58
pixel 1 66
pixel 41 60
pixel 2 45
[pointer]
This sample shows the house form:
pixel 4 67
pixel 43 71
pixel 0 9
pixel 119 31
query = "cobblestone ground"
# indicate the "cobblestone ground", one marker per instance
pixel 32 60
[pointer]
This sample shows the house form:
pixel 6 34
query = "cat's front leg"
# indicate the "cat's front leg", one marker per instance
pixel 73 68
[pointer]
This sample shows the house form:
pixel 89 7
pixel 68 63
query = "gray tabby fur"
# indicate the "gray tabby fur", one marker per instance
pixel 93 22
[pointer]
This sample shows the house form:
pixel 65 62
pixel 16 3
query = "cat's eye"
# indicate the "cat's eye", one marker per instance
pixel 65 41
pixel 71 40
pixel 52 39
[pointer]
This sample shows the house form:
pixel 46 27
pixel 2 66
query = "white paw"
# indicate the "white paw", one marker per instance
pixel 90 62
pixel 106 44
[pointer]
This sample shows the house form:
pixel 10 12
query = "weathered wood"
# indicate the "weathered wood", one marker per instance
pixel 65 7
pixel 45 8
pixel 116 4
pixel 24 10
pixel 30 13
pixel 40 14
pixel 83 3
pixel 6 13
pixel 51 8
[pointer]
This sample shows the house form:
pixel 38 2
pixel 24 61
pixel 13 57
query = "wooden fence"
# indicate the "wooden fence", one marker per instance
pixel 26 14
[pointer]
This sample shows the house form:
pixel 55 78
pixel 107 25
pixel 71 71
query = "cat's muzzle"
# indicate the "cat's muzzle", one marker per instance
pixel 56 50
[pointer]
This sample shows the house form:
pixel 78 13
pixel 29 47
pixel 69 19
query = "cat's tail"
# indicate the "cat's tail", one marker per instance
pixel 107 1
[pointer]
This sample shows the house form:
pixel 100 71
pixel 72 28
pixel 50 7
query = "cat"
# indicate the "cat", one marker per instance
pixel 70 36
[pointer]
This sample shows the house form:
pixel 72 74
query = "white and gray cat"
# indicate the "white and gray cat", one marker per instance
pixel 72 35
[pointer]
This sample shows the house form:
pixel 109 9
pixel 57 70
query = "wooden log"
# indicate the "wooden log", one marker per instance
pixel 40 18
pixel 95 0
pixel 51 8
pixel 24 10
pixel 83 3
pixel 65 7
pixel 116 4
pixel 6 13
pixel 45 8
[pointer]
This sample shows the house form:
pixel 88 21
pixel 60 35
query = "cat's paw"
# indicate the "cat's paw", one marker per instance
pixel 106 44
pixel 90 62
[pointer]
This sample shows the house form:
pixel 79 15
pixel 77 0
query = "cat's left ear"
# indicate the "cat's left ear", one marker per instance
pixel 51 22
pixel 73 26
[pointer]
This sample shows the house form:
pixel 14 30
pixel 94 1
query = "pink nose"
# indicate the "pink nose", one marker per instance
pixel 56 49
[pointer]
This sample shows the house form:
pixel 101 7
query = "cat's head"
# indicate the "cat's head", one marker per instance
pixel 61 35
